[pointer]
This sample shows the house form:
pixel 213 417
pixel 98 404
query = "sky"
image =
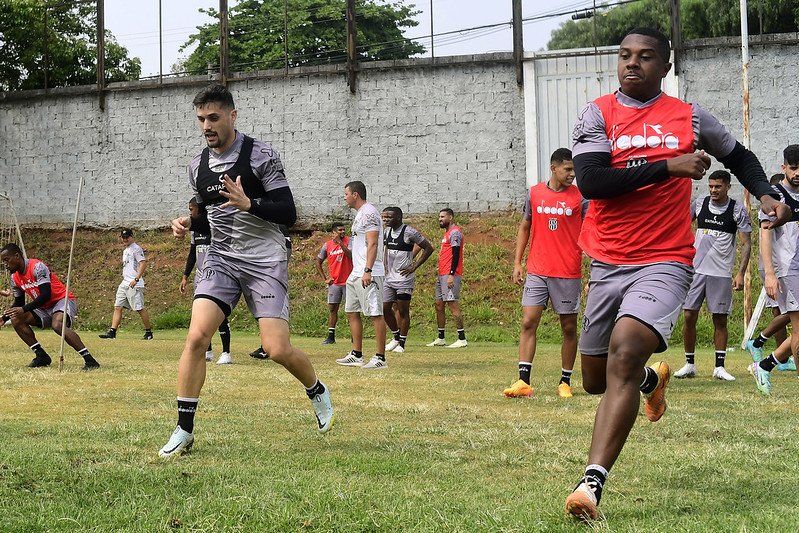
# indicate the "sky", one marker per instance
pixel 135 25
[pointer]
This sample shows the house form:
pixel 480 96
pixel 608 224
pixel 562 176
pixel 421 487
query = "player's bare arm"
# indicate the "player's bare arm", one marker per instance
pixel 746 252
pixel 522 238
pixel 770 282
pixel 426 250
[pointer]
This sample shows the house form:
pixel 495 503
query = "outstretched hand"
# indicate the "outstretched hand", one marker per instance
pixel 235 194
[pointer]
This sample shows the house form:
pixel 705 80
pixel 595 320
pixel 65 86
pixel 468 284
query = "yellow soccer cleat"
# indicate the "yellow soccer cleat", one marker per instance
pixel 564 390
pixel 518 390
pixel 655 401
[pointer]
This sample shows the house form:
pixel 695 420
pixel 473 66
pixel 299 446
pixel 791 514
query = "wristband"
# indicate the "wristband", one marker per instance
pixel 365 270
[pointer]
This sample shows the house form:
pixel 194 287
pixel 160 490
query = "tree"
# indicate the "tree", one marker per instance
pixel 71 47
pixel 317 33
pixel 700 18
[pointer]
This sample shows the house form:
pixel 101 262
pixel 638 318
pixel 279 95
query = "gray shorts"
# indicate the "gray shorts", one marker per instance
pixel 335 293
pixel 564 293
pixel 367 300
pixel 717 291
pixel 652 294
pixel 770 302
pixel 392 292
pixel 789 297
pixel 129 297
pixel 264 286
pixel 445 293
pixel 44 317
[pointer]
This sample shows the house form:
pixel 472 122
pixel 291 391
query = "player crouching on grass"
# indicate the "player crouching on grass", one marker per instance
pixel 46 308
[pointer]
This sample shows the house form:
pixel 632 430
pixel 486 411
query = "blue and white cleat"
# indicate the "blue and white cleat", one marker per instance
pixel 756 353
pixel 179 443
pixel 762 379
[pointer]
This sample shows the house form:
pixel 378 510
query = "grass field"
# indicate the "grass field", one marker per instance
pixel 430 444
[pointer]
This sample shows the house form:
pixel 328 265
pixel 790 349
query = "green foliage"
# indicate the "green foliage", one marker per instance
pixel 316 34
pixel 699 18
pixel 70 43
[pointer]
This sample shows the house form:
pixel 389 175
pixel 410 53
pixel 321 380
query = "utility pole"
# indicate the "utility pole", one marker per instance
pixel 518 41
pixel 223 43
pixel 352 58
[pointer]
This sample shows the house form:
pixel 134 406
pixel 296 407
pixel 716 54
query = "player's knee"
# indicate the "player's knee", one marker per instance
pixel 594 386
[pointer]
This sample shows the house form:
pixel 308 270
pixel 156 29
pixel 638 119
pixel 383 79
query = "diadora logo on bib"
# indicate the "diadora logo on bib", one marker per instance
pixel 559 208
pixel 652 136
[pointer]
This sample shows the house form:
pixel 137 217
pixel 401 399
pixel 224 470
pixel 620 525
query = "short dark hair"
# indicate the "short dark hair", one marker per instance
pixel 336 224
pixel 791 154
pixel 11 248
pixel 394 209
pixel 663 48
pixel 560 155
pixel 216 93
pixel 193 201
pixel 447 210
pixel 722 175
pixel 357 186
pixel 776 178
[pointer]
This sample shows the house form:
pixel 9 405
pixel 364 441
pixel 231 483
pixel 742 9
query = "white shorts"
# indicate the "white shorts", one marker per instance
pixel 130 297
pixel 367 300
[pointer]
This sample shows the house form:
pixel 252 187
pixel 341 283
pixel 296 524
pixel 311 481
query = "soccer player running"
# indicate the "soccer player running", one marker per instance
pixel 635 154
pixel 551 220
pixel 365 282
pixel 337 253
pixel 400 243
pixel 247 256
pixel 46 308
pixel 199 247
pixel 450 275
pixel 719 218
pixel 780 247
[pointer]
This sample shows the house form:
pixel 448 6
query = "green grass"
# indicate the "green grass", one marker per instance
pixel 428 445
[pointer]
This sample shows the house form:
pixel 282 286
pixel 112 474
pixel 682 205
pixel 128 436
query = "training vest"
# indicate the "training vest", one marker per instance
pixel 397 243
pixel 209 183
pixel 789 201
pixel 445 258
pixel 338 264
pixel 724 222
pixel 28 283
pixel 556 218
pixel 651 224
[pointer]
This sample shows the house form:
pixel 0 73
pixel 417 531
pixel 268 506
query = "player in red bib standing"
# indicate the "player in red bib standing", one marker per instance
pixel 450 273
pixel 46 308
pixel 551 220
pixel 635 154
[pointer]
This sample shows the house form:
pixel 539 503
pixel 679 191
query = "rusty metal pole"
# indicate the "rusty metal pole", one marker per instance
pixel 223 43
pixel 676 34
pixel 101 53
pixel 352 58
pixel 518 41
pixel 747 143
pixel 46 56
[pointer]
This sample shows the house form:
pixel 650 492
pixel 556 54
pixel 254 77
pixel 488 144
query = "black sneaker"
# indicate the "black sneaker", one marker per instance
pixel 329 340
pixel 148 336
pixel 259 353
pixel 110 334
pixel 91 364
pixel 40 360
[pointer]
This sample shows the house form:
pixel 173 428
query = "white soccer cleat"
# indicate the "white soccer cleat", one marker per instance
pixel 209 356
pixel 721 373
pixel 323 410
pixel 688 371
pixel 179 443
pixel 391 345
pixel 398 349
pixel 437 342
pixel 460 343
pixel 350 360
pixel 224 359
pixel 375 363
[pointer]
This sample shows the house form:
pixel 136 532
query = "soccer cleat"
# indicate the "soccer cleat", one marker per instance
pixel 400 349
pixel 437 342
pixel 687 371
pixel 655 401
pixel 518 390
pixel 788 365
pixel 721 373
pixel 209 355
pixel 110 334
pixel 89 364
pixel 755 353
pixel 148 336
pixel 350 360
pixel 391 345
pixel 329 340
pixel 762 379
pixel 564 390
pixel 581 503
pixel 375 363
pixel 259 353
pixel 179 443
pixel 460 343
pixel 40 360
pixel 323 410
pixel 224 359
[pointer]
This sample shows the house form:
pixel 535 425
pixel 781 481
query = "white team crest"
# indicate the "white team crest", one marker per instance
pixel 553 224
